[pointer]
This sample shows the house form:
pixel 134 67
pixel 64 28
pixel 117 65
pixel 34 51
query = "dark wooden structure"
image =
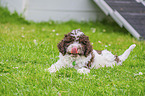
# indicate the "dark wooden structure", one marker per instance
pixel 127 13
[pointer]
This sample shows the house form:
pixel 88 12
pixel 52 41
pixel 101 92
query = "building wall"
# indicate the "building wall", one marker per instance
pixel 13 5
pixel 57 10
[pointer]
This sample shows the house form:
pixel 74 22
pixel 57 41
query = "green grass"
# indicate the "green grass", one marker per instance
pixel 27 49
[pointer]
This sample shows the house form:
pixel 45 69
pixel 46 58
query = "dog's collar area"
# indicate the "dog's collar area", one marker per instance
pixel 88 65
pixel 74 63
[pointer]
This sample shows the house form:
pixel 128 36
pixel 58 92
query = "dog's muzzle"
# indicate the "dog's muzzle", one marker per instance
pixel 74 50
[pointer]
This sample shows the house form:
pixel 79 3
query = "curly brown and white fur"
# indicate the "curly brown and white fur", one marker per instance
pixel 76 51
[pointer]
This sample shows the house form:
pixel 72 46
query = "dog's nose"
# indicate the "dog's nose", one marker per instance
pixel 74 50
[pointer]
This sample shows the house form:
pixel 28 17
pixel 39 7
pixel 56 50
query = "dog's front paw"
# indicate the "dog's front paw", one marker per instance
pixel 83 70
pixel 52 69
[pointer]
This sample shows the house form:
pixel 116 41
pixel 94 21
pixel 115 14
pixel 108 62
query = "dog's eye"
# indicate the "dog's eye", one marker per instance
pixel 83 42
pixel 67 41
pixel 72 38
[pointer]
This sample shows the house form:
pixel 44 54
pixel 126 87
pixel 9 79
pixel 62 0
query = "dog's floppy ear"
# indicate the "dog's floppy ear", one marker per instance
pixel 64 43
pixel 84 40
pixel 61 47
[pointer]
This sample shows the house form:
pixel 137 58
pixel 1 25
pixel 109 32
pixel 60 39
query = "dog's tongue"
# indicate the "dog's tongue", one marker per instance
pixel 74 50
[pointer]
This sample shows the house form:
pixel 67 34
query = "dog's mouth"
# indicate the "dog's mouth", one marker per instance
pixel 75 52
pixel 75 55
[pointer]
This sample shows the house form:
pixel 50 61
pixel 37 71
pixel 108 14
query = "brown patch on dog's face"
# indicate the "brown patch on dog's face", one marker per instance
pixel 62 46
pixel 87 47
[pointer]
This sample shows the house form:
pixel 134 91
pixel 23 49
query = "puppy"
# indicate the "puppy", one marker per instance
pixel 77 52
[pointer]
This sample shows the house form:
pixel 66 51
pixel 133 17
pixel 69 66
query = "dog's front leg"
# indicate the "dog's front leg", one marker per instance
pixel 83 70
pixel 55 67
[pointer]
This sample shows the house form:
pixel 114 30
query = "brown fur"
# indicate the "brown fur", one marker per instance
pixel 87 47
pixel 65 43
pixel 91 60
pixel 117 59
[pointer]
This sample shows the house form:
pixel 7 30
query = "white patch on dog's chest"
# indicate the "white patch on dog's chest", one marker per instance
pixel 80 61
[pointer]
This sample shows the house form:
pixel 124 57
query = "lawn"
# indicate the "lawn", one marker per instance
pixel 28 48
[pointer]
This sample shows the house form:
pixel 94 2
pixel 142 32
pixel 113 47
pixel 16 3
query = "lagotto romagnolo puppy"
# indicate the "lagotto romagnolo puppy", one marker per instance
pixel 76 51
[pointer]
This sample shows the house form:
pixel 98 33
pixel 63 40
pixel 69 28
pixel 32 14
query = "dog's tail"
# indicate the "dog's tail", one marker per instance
pixel 125 55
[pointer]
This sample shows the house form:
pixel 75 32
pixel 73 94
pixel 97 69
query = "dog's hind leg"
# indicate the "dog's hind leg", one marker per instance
pixel 125 55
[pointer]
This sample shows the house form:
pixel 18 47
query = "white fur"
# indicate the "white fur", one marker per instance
pixel 76 33
pixel 100 60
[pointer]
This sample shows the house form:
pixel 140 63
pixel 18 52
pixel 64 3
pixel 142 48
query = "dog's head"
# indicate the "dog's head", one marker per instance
pixel 75 43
